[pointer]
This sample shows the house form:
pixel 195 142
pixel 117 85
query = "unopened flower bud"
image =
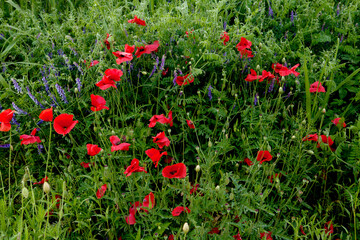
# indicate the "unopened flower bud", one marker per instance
pixel 310 152
pixel 112 132
pixel 186 228
pixel 25 192
pixel 217 188
pixel 144 73
pixel 303 122
pixel 46 187
pixel 197 148
pixel 258 67
pixel 169 130
pixel 76 90
pixel 283 60
pixel 323 110
pixel 281 91
pixel 293 137
pixel 197 169
pixel 260 45
pixel 210 144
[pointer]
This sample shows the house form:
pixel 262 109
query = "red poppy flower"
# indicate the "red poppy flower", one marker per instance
pixel 98 103
pixel 168 159
pixel 190 124
pixel 316 87
pixel 326 140
pixel 149 202
pixel 187 33
pixel 147 49
pixel 137 21
pixel 237 237
pixel 329 228
pixel 311 137
pixel 5 118
pixel 243 44
pixel 184 80
pixel 336 121
pixel 50 213
pixel 131 218
pixel 122 57
pixel 267 235
pixel 161 119
pixel 178 210
pixel 57 199
pixel 105 83
pixel 248 162
pixel 129 49
pixel 116 146
pixel 175 171
pixel 114 74
pixel 28 139
pixel 64 123
pixel 214 230
pixel 47 115
pixel 284 71
pixel 164 72
pixel 170 237
pixel 45 179
pixel 225 37
pixel 106 41
pixel 92 149
pixel 265 75
pixel 263 156
pixel 252 76
pixel 246 53
pixel 86 165
pixel 302 230
pixel 134 167
pixel 155 155
pixel 101 191
pixel 277 67
pixel 161 140
pixel 277 175
pixel 93 63
pixel 194 188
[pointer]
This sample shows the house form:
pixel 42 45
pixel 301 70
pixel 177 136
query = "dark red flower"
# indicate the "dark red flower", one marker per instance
pixel 93 63
pixel 190 124
pixel 214 230
pixel 194 188
pixel 134 167
pixel 302 230
pixel 155 155
pixel 316 87
pixel 28 139
pixel 336 121
pixel 267 235
pixel 170 237
pixel 326 140
pixel 246 53
pixel 252 76
pixel 98 103
pixel 92 149
pixel 161 140
pixel 263 156
pixel 122 57
pixel 184 80
pixel 237 237
pixel 161 119
pixel 178 210
pixel 329 228
pixel 225 37
pixel 5 118
pixel 64 123
pixel 277 175
pixel 248 161
pixel 101 191
pixel 137 21
pixel 284 71
pixel 106 41
pixel 86 165
pixel 57 199
pixel 47 115
pixel 265 75
pixel 164 72
pixel 175 171
pixel 243 44
pixel 129 49
pixel 116 146
pixel 311 137
pixel 277 67
pixel 168 159
pixel 45 179
pixel 147 49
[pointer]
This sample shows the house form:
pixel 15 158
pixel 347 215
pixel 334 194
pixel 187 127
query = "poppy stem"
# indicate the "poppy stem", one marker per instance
pixel 48 152
pixel 10 172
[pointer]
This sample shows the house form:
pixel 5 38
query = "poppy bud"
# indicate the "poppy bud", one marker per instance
pixel 186 228
pixel 144 73
pixel 269 148
pixel 169 130
pixel 323 110
pixel 112 132
pixel 258 67
pixel 297 82
pixel 281 91
pixel 283 60
pixel 198 92
pixel 197 148
pixel 304 121
pixel 46 187
pixel 231 197
pixel 210 144
pixel 293 137
pixel 25 192
pixel 237 165
pixel 282 79
pixel 260 45
pixel 310 152
pixel 197 169
pixel 95 129
pixel 217 188
pixel 236 96
pixel 76 90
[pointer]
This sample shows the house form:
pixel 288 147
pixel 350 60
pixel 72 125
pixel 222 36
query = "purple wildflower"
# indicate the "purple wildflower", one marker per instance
pixel 40 122
pixel 234 106
pixel 224 25
pixel 292 17
pixel 209 92
pixel 52 45
pixel 338 10
pixel 256 99
pixel 162 63
pixel 271 12
pixel 271 87
pixel 155 67
pixel 175 76
pixel 61 92
pixel 37 37
pixel 60 52
pixel 18 110
pixel 180 72
pixel 14 122
pixel 126 33
pixel 79 68
pixel 342 37
pixel 0 107
pixel 4 67
pixel 84 30
pixel 74 51
pixel 1 36
pixel 16 85
pixel 79 85
pixel 34 98
pixel 46 84
pixel 40 148
pixel 4 145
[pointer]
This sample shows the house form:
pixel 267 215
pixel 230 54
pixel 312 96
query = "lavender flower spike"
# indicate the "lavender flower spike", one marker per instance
pixel 162 63
pixel 18 110
pixel 79 85
pixel 256 99
pixel 16 85
pixel 209 92
pixel 292 16
pixel 5 146
pixel 175 76
pixel 61 93
pixel 271 12
pixel 34 98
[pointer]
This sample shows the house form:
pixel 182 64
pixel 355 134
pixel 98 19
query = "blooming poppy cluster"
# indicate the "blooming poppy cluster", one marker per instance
pixel 147 204
pixel 244 48
pixel 325 139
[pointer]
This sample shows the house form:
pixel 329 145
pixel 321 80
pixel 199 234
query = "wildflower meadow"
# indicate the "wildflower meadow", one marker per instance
pixel 185 119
